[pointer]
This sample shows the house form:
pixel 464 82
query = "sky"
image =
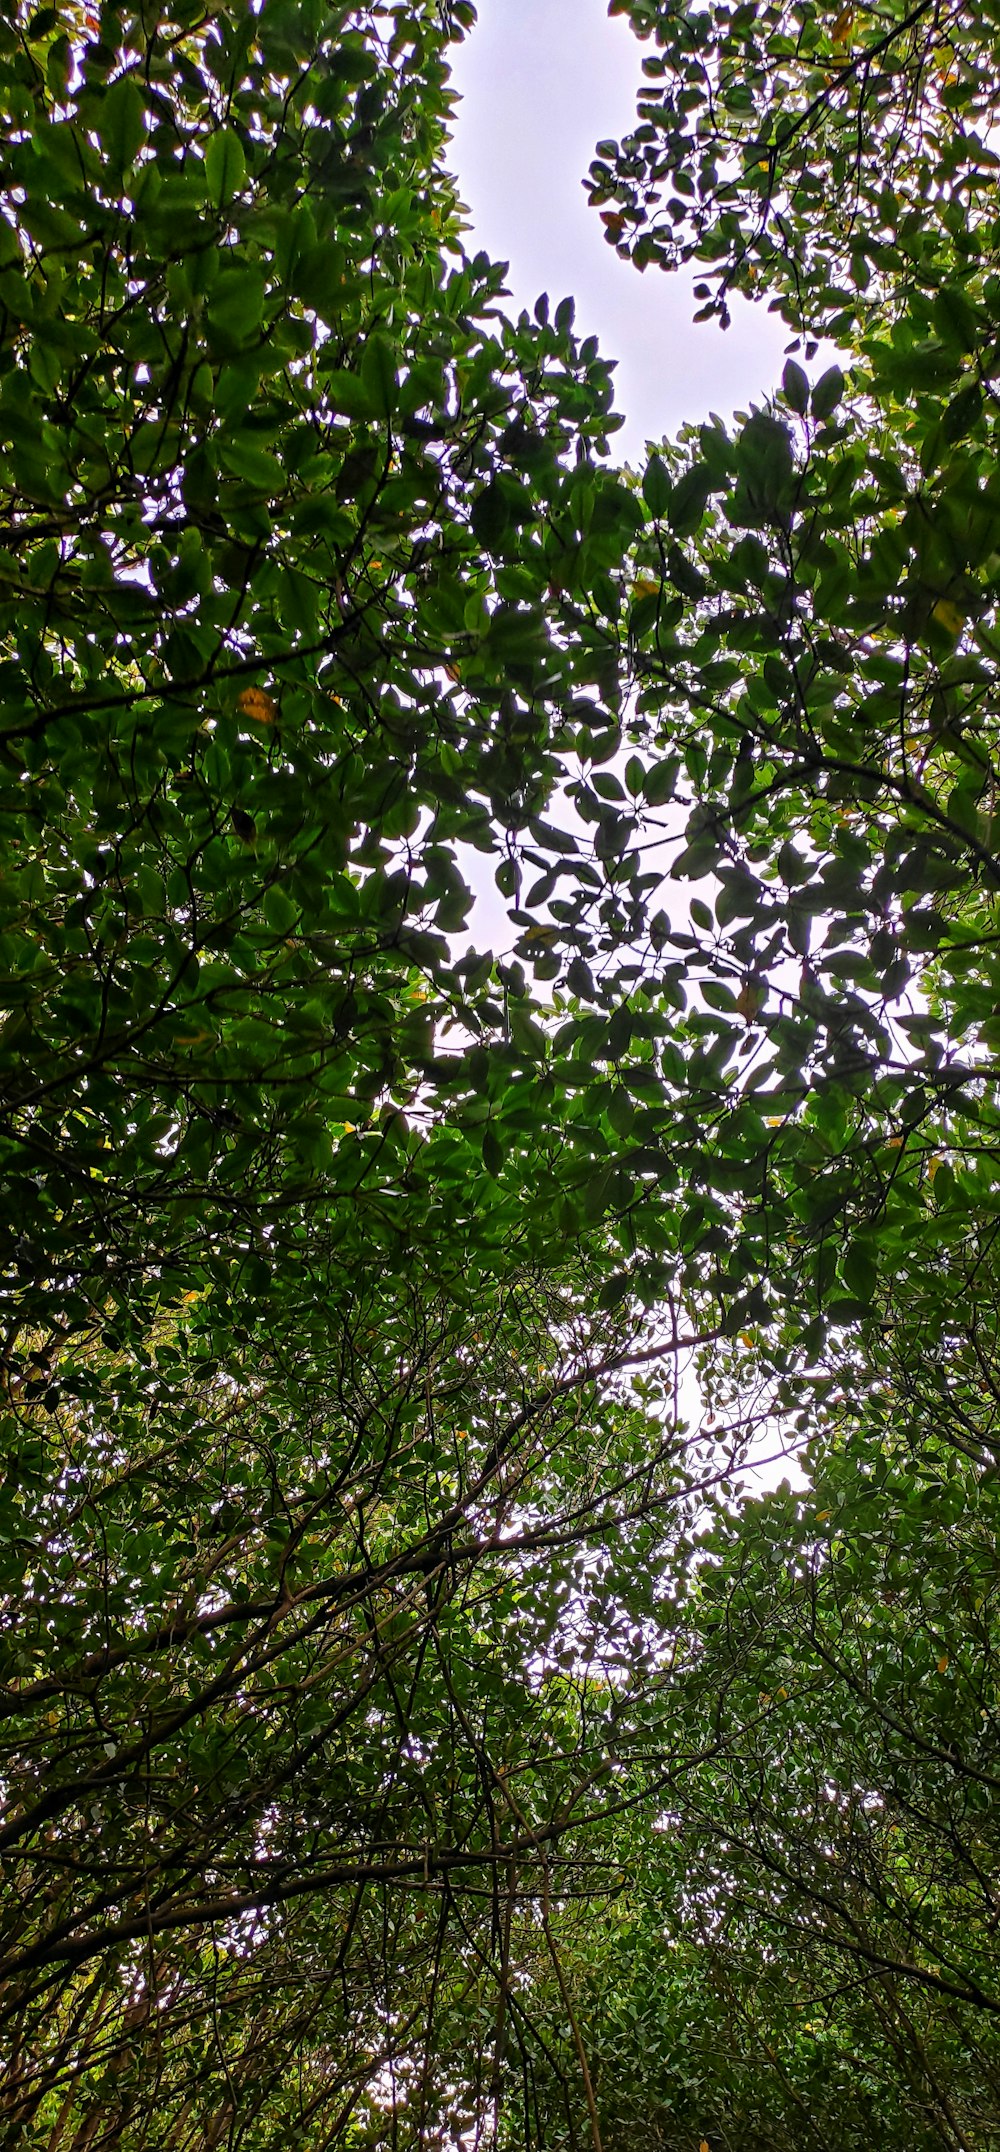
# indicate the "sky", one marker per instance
pixel 541 82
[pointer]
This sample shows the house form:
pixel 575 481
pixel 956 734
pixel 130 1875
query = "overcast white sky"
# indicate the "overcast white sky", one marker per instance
pixel 541 82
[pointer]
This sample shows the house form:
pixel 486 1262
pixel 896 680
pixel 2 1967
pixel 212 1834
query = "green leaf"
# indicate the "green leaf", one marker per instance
pixel 660 782
pixel 493 1152
pixel 378 374
pixel 245 459
pixel 122 122
pixel 236 303
pixel 349 394
pixel 766 460
pixel 827 393
pixel 225 166
pixel 656 486
pixel 795 384
pixel 860 1271
pixel 689 499
pixel 489 515
pixel 280 910
pixel 621 1113
pixel 684 575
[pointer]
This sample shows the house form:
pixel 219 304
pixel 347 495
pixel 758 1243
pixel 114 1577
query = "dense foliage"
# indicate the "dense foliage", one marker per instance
pixel 414 1728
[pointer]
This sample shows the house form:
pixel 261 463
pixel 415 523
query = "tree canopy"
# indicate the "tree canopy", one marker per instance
pixel 419 1722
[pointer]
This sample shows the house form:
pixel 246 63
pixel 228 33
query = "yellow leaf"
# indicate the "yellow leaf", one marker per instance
pixel 949 616
pixel 843 26
pixel 823 1515
pixel 748 1001
pixel 257 705
pixel 645 586
pixel 942 1664
pixel 613 221
pixel 704 2145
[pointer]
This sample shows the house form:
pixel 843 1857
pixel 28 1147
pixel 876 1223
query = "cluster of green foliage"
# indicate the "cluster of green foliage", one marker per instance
pixel 410 1731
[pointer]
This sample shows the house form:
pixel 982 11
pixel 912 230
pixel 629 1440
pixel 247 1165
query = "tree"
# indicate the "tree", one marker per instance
pixel 806 1947
pixel 304 1453
pixel 367 1609
pixel 275 643
pixel 832 160
pixel 275 1631
pixel 814 625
